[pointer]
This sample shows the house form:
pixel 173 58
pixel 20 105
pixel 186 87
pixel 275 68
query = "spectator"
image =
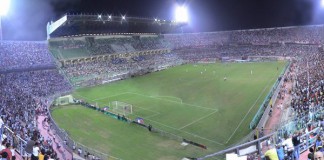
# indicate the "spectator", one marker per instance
pixel 318 156
pixel 41 155
pixel 289 147
pixel 7 151
pixel 271 153
pixel 296 143
pixel 319 144
pixel 36 151
pixel 280 152
pixel 13 152
pixel 310 155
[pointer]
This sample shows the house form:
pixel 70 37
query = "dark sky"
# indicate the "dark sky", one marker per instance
pixel 27 18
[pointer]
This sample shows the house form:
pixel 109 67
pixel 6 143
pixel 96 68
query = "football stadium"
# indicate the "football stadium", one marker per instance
pixel 105 86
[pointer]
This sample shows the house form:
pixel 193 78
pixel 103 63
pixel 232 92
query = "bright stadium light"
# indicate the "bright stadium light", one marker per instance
pixel 109 16
pixel 123 17
pixel 181 14
pixel 4 7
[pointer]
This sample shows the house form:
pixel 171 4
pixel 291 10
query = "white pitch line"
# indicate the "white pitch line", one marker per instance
pixel 174 101
pixel 147 109
pixel 152 116
pixel 168 96
pixel 152 97
pixel 80 95
pixel 140 108
pixel 215 110
pixel 197 120
pixel 248 111
pixel 110 96
pixel 185 132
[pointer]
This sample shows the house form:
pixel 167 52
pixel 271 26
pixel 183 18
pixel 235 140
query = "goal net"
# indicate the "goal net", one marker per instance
pixel 121 108
pixel 64 100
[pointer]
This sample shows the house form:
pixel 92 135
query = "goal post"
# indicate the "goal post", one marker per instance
pixel 64 100
pixel 121 108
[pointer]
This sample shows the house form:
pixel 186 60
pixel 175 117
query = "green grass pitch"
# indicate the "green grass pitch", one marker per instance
pixel 192 101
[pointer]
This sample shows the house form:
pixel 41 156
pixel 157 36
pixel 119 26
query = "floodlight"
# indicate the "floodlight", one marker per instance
pixel 181 14
pixel 155 19
pixel 109 16
pixel 4 7
pixel 322 3
pixel 99 16
pixel 123 17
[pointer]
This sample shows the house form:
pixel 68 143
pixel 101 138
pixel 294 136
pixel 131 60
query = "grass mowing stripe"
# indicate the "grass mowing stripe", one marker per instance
pixel 255 102
pixel 161 92
pixel 110 96
pixel 174 101
pixel 186 132
pixel 170 97
pixel 197 120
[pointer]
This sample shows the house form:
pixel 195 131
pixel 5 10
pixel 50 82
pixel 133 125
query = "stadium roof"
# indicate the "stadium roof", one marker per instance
pixel 107 24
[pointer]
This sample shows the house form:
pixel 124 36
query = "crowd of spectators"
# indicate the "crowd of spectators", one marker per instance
pixel 102 69
pixel 307 104
pixel 309 88
pixel 306 133
pixel 109 45
pixel 188 48
pixel 267 36
pixel 21 93
pixel 21 100
pixel 306 34
pixel 17 55
pixel 126 45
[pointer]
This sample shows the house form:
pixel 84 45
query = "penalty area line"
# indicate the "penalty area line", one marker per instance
pixel 197 120
pixel 173 101
pixel 168 97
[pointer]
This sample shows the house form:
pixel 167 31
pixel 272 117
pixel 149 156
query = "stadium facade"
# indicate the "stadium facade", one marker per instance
pixel 87 25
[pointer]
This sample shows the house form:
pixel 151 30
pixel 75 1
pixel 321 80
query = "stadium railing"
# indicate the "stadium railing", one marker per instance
pixel 17 142
pixel 258 147
pixel 69 144
pixel 260 118
pixel 274 97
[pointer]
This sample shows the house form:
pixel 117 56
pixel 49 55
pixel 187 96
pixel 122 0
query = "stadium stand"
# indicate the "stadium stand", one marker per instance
pixel 299 42
pixel 23 55
pixel 25 84
pixel 28 81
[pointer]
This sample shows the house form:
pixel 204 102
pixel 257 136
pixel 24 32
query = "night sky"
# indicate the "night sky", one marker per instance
pixel 27 19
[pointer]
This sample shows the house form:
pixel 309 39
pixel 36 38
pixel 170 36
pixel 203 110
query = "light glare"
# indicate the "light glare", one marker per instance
pixel 4 7
pixel 322 3
pixel 181 14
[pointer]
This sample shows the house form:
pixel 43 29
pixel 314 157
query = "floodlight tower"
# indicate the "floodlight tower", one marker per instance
pixel 4 8
pixel 181 15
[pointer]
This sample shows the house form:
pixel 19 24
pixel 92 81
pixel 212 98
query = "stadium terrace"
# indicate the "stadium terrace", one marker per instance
pixel 134 87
